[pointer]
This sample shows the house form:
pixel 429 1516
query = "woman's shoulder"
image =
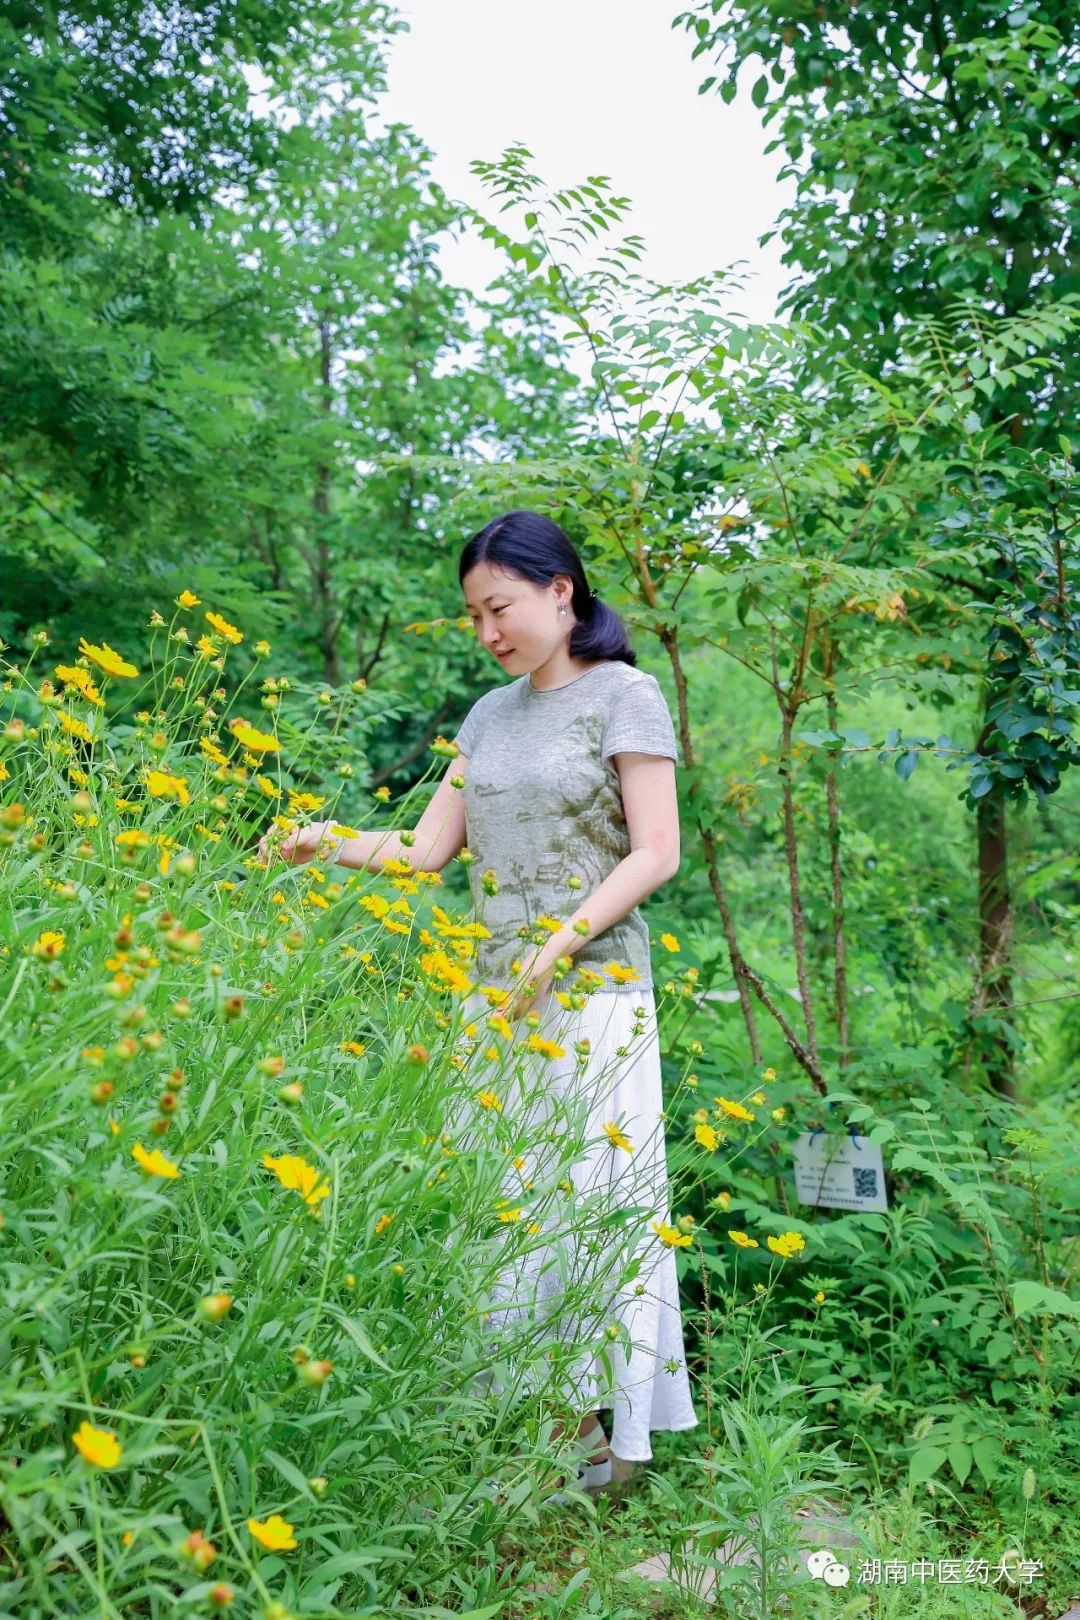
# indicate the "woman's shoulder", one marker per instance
pixel 624 677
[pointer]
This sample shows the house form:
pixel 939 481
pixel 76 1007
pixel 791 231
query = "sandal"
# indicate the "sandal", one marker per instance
pixel 590 1475
pixel 595 1474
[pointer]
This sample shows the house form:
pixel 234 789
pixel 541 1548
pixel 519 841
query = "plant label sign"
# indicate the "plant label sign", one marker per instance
pixel 839 1172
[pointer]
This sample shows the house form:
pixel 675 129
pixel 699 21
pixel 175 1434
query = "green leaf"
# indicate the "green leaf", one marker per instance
pixel 987 1453
pixel 1029 1296
pixel 289 1473
pixel 925 1463
pixel 998 1346
pixel 960 1459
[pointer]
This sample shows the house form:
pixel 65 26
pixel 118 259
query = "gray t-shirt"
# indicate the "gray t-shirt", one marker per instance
pixel 543 804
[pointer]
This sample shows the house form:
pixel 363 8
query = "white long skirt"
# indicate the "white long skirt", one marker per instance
pixel 604 1242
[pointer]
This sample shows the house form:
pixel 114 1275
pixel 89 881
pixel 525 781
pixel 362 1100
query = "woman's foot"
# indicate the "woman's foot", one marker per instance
pixel 594 1470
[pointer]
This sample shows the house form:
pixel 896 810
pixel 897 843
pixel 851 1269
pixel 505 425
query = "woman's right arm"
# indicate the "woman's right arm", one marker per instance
pixel 436 839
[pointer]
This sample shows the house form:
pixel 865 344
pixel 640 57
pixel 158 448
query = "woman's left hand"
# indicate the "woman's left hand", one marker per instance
pixel 520 1001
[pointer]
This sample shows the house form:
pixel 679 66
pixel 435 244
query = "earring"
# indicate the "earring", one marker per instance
pixel 562 608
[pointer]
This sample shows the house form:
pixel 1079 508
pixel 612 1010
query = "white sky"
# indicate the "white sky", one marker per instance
pixel 593 87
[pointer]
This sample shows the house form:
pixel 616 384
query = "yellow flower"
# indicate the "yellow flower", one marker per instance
pixel 110 661
pixel 160 785
pixel 275 1533
pixel 770 1074
pixel 819 1298
pixel 508 1214
pixel 99 1446
pixel 75 675
pixel 299 803
pixel 354 1048
pixel 551 1049
pixel 734 1110
pixel 669 942
pixel 132 836
pixel 155 1163
pixel 299 1176
pixel 75 727
pixel 224 628
pixel 48 945
pixel 489 1099
pixel 187 599
pixel 258 741
pixel 787 1244
pixel 616 970
pixel 742 1240
pixel 707 1137
pixel 212 751
pixel 759 1098
pixel 671 1235
pixel 617 1138
pixel 382 1223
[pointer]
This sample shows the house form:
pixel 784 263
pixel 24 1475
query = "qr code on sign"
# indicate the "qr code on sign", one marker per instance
pixel 865 1183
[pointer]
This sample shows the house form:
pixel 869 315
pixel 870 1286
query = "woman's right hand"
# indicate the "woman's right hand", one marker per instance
pixel 302 844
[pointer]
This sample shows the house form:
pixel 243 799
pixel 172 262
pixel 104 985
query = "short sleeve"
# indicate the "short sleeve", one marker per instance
pixel 640 722
pixel 469 731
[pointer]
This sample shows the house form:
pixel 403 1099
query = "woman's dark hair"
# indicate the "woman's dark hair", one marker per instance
pixel 533 547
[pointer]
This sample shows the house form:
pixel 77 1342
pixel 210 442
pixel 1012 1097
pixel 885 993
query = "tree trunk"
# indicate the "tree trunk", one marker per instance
pixel 995 991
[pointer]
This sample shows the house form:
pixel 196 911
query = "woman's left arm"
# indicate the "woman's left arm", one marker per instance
pixel 651 807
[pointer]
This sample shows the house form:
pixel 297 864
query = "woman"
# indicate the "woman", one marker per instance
pixel 570 800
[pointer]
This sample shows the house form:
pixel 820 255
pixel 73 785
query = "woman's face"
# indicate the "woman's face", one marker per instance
pixel 518 622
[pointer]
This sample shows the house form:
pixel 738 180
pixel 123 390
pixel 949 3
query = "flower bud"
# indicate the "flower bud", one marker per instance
pixel 102 1091
pixel 201 1551
pixel 316 1372
pixel 215 1306
pixel 292 1094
